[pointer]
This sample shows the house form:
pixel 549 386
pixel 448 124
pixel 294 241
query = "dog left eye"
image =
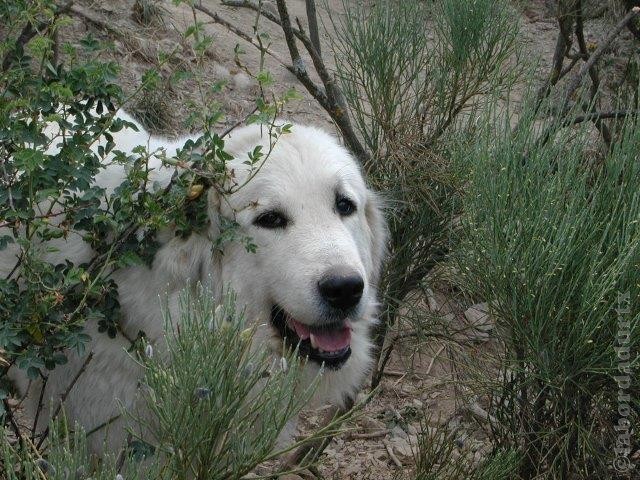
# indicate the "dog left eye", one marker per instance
pixel 344 206
pixel 271 220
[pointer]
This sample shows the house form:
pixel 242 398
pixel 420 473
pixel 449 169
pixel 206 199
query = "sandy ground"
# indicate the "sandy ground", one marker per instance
pixel 420 380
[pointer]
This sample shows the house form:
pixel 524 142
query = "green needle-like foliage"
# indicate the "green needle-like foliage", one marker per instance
pixel 552 242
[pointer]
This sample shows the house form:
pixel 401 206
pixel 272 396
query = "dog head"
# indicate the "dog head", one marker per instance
pixel 320 238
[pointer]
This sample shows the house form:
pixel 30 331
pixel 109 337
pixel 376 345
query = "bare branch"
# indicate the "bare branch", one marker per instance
pixel 593 59
pixel 593 74
pixel 331 101
pixel 243 35
pixel 254 5
pixel 595 116
pixel 64 396
pixel 312 19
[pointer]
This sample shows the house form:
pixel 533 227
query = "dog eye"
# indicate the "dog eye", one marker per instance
pixel 271 219
pixel 344 206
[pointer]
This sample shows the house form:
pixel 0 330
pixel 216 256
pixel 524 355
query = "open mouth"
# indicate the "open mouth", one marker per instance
pixel 328 344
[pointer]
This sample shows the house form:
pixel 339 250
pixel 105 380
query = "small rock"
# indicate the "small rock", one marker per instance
pixel 478 316
pixel 402 448
pixel 291 476
pixel 371 424
pixel 411 430
pixel 417 403
pixel 398 432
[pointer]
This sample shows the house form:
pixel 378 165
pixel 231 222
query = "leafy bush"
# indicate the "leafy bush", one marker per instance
pixel 57 122
pixel 58 106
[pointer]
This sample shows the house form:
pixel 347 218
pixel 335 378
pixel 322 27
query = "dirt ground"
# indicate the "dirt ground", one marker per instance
pixel 420 380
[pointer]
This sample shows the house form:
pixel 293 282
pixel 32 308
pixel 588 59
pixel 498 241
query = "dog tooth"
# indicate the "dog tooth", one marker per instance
pixel 313 341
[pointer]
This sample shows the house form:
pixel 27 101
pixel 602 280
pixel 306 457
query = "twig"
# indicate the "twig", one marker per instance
pixel 35 420
pixel 12 420
pixel 254 5
pixel 102 425
pixel 593 59
pixel 238 123
pixel 394 373
pixel 239 33
pixel 28 32
pixel 64 396
pixel 433 360
pixel 590 117
pixel 481 414
pixel 368 435
pixel 593 74
pixel 312 19
pixel 331 99
pixel 388 350
pixel 316 447
pixel 392 455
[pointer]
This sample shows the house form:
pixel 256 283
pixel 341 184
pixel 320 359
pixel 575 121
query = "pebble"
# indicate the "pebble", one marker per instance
pixel 402 447
pixel 371 424
pixel 398 432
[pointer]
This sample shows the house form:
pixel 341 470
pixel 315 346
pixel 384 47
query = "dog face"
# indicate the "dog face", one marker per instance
pixel 320 241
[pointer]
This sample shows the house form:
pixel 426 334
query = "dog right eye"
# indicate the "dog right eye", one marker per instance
pixel 271 220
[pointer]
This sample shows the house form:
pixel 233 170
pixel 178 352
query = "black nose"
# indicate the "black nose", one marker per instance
pixel 341 290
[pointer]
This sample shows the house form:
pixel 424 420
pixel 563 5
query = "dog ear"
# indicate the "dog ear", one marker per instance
pixel 378 233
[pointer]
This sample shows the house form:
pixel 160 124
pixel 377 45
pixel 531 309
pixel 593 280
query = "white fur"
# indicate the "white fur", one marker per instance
pixel 301 177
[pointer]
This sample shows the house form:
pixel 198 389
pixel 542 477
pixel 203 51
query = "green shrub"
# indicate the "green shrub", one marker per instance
pixel 552 242
pixel 408 94
pixel 47 192
pixel 211 407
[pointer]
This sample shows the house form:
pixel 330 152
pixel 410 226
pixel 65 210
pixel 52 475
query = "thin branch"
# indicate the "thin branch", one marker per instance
pixel 594 116
pixel 316 448
pixel 239 33
pixel 37 415
pixel 392 455
pixel 593 59
pixel 312 19
pixel 28 32
pixel 330 98
pixel 369 435
pixel 64 396
pixel 331 101
pixel 12 420
pixel 254 5
pixel 593 74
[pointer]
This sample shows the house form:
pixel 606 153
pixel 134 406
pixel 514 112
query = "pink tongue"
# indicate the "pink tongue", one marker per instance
pixel 329 341
pixel 301 329
pixel 334 340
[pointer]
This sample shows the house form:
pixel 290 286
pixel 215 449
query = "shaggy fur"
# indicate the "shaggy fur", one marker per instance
pixel 302 177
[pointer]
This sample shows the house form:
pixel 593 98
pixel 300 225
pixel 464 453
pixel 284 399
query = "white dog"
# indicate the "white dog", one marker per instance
pixel 320 236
